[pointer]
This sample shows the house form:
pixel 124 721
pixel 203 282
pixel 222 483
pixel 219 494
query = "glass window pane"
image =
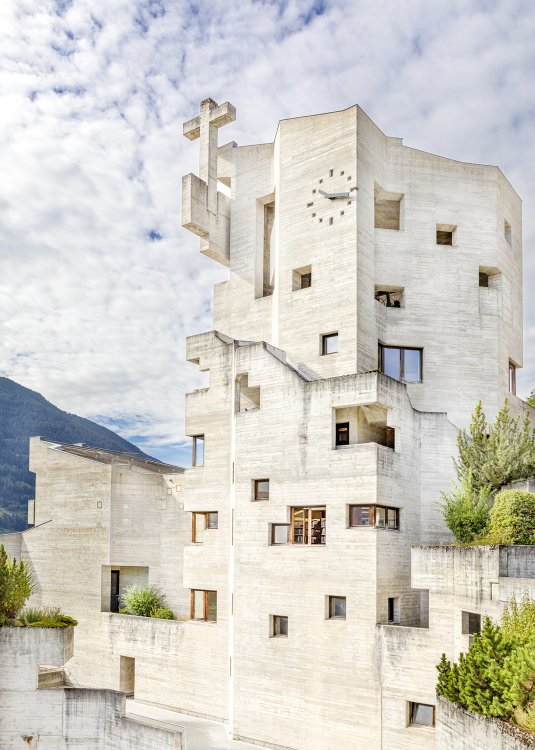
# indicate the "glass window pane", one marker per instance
pixel 317 529
pixel 392 518
pixel 330 343
pixel 198 450
pixel 422 714
pixel 299 530
pixel 198 605
pixel 280 533
pixel 360 515
pixel 212 606
pixel 380 517
pixel 212 520
pixel 338 606
pixel 262 489
pixel 412 370
pixel 200 525
pixel 391 362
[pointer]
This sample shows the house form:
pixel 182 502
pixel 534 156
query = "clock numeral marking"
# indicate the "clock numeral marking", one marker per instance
pixel 309 205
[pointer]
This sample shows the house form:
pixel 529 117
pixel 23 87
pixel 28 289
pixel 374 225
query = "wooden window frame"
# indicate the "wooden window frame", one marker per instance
pixel 205 605
pixel 412 705
pixel 324 339
pixel 331 608
pixel 308 525
pixel 206 515
pixel 372 509
pixel 402 350
pixel 195 438
pixel 256 498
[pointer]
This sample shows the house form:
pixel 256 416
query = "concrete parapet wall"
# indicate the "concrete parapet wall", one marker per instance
pixel 458 729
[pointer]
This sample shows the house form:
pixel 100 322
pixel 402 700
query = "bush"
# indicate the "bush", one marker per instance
pixel 466 511
pixel 46 617
pixel 16 585
pixel 164 613
pixel 143 601
pixel 518 620
pixel 512 518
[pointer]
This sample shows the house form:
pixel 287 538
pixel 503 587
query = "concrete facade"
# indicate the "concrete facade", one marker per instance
pixel 306 432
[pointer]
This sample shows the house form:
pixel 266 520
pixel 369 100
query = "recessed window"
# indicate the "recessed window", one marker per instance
pixel 308 526
pixel 421 714
pixel 507 232
pixel 342 433
pixel 512 378
pixel 393 609
pixel 329 343
pixel 261 489
pixel 247 397
pixel 337 608
pixel 471 623
pixel 378 516
pixel 445 234
pixel 204 605
pixel 483 279
pixel 389 296
pixel 301 278
pixel 401 363
pixel 280 533
pixel 200 522
pixel 279 626
pixel 387 209
pixel 197 457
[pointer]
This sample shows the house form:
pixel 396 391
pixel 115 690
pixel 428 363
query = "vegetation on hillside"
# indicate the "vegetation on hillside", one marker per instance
pixel 24 413
pixel 496 677
pixel 490 457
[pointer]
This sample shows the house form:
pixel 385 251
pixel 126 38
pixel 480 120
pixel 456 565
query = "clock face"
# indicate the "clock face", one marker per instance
pixel 331 196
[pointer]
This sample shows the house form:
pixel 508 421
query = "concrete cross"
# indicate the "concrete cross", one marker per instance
pixel 205 127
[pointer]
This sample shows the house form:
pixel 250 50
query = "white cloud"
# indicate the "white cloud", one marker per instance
pixel 93 314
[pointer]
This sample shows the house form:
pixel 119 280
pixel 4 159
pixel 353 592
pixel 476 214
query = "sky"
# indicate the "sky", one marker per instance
pixel 99 284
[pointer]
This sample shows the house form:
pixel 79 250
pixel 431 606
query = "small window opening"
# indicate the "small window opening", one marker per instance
pixel 308 525
pixel 512 378
pixel 401 363
pixel 197 458
pixel 301 278
pixel 331 172
pixel 280 533
pixel 377 516
pixel 445 234
pixel 421 714
pixel 393 609
pixel 247 397
pixel 337 608
pixel 471 623
pixel 261 489
pixel 483 279
pixel 204 605
pixel 342 433
pixel 115 591
pixel 269 219
pixel 331 220
pixel 387 209
pixel 507 232
pixel 279 626
pixel 201 522
pixel 389 296
pixel 329 343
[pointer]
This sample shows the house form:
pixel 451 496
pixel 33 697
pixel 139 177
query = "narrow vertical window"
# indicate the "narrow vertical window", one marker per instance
pixel 269 218
pixel 512 378
pixel 279 626
pixel 197 458
pixel 507 232
pixel 342 433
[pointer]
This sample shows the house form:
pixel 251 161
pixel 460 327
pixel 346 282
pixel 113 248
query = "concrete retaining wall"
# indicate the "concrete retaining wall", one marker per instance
pixel 457 729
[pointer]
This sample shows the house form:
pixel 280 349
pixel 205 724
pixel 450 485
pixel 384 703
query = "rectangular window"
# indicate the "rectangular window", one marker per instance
pixel 279 626
pixel 445 234
pixel 387 209
pixel 471 623
pixel 512 378
pixel 421 714
pixel 483 279
pixel 342 433
pixel 308 525
pixel 507 232
pixel 197 458
pixel 261 489
pixel 329 343
pixel 301 278
pixel 389 297
pixel 393 609
pixel 280 533
pixel 267 279
pixel 200 522
pixel 374 515
pixel 204 605
pixel 401 363
pixel 115 591
pixel 337 607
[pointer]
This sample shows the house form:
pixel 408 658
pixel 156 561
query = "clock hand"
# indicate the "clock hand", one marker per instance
pixel 335 196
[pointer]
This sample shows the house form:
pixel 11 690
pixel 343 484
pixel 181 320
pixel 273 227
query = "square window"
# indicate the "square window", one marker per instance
pixel 261 489
pixel 301 278
pixel 471 623
pixel 329 343
pixel 359 515
pixel 279 626
pixel 421 714
pixel 342 433
pixel 197 458
pixel 280 533
pixel 201 522
pixel 204 605
pixel 337 608
pixel 445 234
pixel 404 364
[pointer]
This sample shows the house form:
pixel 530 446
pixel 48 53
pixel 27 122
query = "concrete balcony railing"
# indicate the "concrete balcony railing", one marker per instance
pixel 144 635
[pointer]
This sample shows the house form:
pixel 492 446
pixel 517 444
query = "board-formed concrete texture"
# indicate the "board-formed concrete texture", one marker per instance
pixel 339 241
pixel 40 713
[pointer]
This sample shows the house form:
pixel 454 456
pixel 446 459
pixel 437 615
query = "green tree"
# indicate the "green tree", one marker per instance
pixel 15 586
pixel 466 511
pixel 512 518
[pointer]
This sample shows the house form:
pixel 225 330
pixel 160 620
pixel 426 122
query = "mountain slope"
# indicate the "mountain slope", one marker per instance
pixel 24 413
